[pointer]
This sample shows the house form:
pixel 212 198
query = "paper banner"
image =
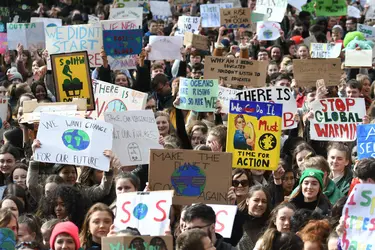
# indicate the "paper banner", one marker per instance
pixel 71 74
pixel 282 95
pixel 165 47
pixel 236 71
pixel 93 19
pixel 196 176
pixel 30 35
pixel 119 43
pixel 113 98
pixel 187 24
pixel 336 119
pixel 86 37
pixel 76 141
pixel 137 242
pixel 325 50
pixel 368 31
pixel 126 13
pixel 235 18
pixel 308 71
pixel 254 134
pixel 358 58
pixel 274 10
pixel 268 31
pixel 196 41
pixel 224 219
pixel 3 43
pixel 142 209
pixel 331 8
pixel 210 14
pixel 48 22
pixel 297 3
pixel 366 141
pixel 160 9
pixel 134 3
pixel 198 94
pixel 134 134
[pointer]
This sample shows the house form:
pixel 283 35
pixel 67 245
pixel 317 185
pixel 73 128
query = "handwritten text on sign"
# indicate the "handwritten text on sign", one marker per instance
pixel 210 14
pixel 325 50
pixel 336 119
pixel 274 10
pixel 225 95
pixel 235 18
pixel 187 24
pixel 69 140
pixel 30 35
pixel 366 141
pixel 119 43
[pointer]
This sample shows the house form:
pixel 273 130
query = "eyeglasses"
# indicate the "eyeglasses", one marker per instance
pixel 244 183
pixel 197 227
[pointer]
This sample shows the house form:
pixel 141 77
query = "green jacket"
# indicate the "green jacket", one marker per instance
pixel 344 183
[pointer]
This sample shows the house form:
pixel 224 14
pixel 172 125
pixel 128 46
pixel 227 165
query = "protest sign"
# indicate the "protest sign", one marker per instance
pixel 120 63
pixel 224 219
pixel 308 71
pixel 225 95
pixel 160 10
pixel 331 8
pixel 325 50
pixel 196 176
pixel 282 95
pixel 254 134
pixel 93 19
pixel 210 14
pixel 358 58
pixel 142 209
pixel 358 216
pixel 368 31
pixel 235 18
pixel 236 71
pixel 110 97
pixel 354 12
pixel 198 94
pixel 86 37
pixel 3 43
pixel 196 41
pixel 3 109
pixel 336 119
pixel 48 22
pixel 134 3
pixel 370 13
pixel 134 132
pixel 137 242
pixel 76 141
pixel 268 31
pixel 122 42
pixel 297 3
pixel 274 10
pixel 30 35
pixel 236 3
pixel 187 24
pixel 366 141
pixel 126 13
pixel 71 73
pixel 165 47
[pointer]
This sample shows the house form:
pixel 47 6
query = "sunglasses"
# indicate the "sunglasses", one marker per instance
pixel 244 183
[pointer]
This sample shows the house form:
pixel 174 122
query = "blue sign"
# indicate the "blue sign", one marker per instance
pixel 366 141
pixel 120 43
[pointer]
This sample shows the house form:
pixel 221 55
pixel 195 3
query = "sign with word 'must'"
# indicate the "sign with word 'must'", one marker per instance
pixel 122 42
pixel 366 141
pixel 142 209
pixel 235 18
pixel 358 215
pixel 196 176
pixel 30 35
pixel 72 77
pixel 134 134
pixel 137 242
pixel 236 71
pixel 336 119
pixel 76 141
pixel 254 132
pixel 283 95
pixel 198 94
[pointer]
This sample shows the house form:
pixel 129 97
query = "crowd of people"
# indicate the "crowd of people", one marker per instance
pixel 298 206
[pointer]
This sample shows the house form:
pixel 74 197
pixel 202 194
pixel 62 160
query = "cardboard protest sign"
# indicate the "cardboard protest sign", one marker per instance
pixel 331 8
pixel 160 9
pixel 254 134
pixel 308 71
pixel 3 43
pixel 282 95
pixel 358 215
pixel 113 98
pixel 134 132
pixel 210 14
pixel 126 13
pixel 187 24
pixel 274 10
pixel 76 141
pixel 368 31
pixel 137 242
pixel 142 209
pixel 366 141
pixel 268 31
pixel 71 73
pixel 30 35
pixel 196 41
pixel 86 37
pixel 325 50
pixel 198 94
pixel 196 176
pixel 236 71
pixel 224 219
pixel 122 42
pixel 165 47
pixel 358 58
pixel 48 22
pixel 225 95
pixel 134 3
pixel 336 119
pixel 235 18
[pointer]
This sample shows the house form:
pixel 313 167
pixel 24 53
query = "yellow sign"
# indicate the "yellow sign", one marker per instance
pixel 72 77
pixel 254 134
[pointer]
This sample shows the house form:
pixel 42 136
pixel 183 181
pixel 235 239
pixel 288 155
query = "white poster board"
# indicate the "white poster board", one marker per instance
pixel 210 13
pixel 268 31
pixel 224 219
pixel 367 30
pixel 225 95
pixel 165 47
pixel 160 9
pixel 126 13
pixel 274 10
pixel 48 22
pixel 325 50
pixel 358 58
pixel 187 24
pixel 30 35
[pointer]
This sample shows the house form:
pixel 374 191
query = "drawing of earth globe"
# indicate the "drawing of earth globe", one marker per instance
pixel 188 180
pixel 76 139
pixel 115 105
pixel 267 33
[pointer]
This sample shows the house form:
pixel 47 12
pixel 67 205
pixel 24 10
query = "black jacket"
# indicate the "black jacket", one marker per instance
pixel 221 245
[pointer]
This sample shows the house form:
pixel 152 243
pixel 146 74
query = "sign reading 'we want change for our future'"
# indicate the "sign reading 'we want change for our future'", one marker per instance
pixel 76 141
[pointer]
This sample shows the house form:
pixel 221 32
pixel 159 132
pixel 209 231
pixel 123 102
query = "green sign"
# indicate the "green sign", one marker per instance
pixel 309 7
pixel 331 8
